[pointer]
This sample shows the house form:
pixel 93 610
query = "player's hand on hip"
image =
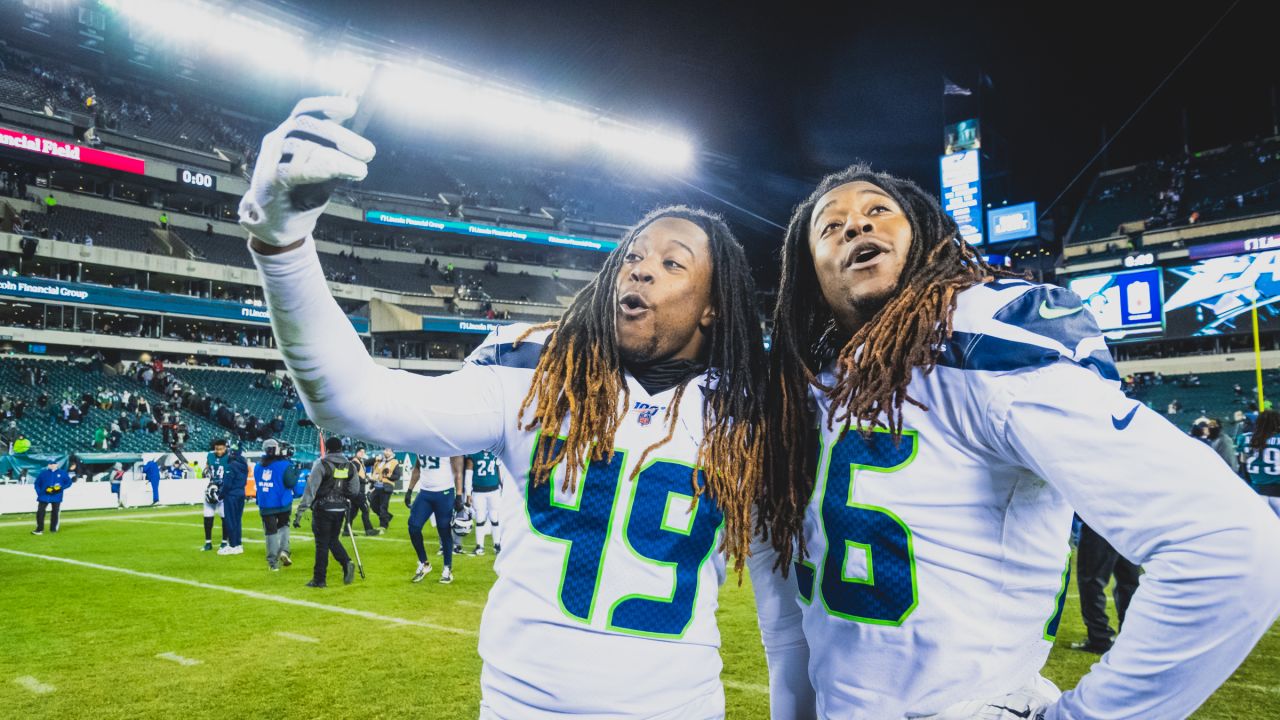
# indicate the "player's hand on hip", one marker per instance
pixel 298 166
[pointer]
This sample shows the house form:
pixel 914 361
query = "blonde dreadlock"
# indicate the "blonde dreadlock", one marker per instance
pixel 873 367
pixel 579 377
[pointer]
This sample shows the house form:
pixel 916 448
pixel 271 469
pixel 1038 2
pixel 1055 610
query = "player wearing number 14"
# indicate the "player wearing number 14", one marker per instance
pixel 605 600
pixel 930 548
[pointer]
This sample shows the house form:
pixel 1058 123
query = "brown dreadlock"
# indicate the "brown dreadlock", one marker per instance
pixel 872 367
pixel 579 376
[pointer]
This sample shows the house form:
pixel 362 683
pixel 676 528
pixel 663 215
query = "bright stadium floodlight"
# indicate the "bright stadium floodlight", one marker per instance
pixel 177 21
pixel 341 72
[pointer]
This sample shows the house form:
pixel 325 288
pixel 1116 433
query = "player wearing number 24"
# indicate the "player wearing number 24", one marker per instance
pixel 614 545
pixel 963 415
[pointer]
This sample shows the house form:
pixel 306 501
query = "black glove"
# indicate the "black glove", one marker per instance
pixel 408 499
pixel 457 503
pixel 297 519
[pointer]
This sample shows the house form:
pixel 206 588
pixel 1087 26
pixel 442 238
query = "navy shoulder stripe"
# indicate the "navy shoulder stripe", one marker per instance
pixel 525 355
pixel 975 351
pixel 1051 312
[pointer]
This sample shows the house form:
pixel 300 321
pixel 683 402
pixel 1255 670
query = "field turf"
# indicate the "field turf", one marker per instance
pixel 187 634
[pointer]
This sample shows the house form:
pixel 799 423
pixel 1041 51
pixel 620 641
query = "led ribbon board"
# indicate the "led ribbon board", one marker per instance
pixel 142 300
pixel 489 231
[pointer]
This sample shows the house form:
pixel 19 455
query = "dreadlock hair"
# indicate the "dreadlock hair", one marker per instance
pixel 1267 426
pixel 579 376
pixel 874 365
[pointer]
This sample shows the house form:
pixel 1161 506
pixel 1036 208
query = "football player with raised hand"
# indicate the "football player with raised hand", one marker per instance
pixel 617 530
pixel 962 416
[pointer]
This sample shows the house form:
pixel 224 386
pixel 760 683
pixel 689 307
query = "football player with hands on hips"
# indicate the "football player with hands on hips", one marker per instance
pixel 962 416
pixel 617 531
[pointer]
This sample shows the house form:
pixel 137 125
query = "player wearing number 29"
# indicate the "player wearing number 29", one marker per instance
pixel 931 548
pixel 606 594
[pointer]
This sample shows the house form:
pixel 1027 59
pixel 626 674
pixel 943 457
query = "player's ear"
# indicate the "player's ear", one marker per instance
pixel 709 317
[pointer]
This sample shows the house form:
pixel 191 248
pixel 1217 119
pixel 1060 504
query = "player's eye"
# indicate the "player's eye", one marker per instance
pixel 833 225
pixel 631 258
pixel 879 209
pixel 672 264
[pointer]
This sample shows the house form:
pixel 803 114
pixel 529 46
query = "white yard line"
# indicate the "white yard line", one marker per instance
pixel 34 685
pixel 747 687
pixel 247 593
pixel 297 637
pixel 1257 688
pixel 71 518
pixel 183 661
pixel 192 525
pixel 471 604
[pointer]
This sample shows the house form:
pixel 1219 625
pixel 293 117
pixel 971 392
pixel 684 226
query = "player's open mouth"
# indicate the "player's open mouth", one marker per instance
pixel 632 305
pixel 865 254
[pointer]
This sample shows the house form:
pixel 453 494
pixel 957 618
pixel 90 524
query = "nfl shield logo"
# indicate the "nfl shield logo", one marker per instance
pixel 647 412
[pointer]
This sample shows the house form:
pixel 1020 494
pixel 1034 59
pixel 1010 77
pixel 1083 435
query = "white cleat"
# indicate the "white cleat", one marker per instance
pixel 424 569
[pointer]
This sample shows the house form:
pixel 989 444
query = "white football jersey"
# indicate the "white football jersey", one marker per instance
pixel 937 564
pixel 437 473
pixel 605 600
pixel 619 577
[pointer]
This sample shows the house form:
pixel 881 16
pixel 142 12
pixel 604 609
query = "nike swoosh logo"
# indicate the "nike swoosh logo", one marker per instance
pixel 1049 312
pixel 1020 713
pixel 1122 423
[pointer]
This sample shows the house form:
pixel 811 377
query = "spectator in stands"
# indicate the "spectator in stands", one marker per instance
pixel 9 436
pixel 51 483
pixel 50 204
pixel 164 220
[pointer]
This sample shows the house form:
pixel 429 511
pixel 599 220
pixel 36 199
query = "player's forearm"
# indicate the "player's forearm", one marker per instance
pixel 1201 606
pixel 791 694
pixel 1167 502
pixel 345 391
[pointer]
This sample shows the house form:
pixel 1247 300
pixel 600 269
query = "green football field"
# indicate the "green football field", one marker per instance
pixel 119 615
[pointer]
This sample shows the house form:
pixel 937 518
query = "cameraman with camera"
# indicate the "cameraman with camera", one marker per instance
pixel 333 483
pixel 275 478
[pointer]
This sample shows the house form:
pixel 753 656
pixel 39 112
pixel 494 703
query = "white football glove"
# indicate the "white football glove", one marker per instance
pixel 299 165
pixel 1029 703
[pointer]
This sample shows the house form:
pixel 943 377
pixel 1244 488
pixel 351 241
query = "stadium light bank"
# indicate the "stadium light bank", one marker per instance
pixel 423 91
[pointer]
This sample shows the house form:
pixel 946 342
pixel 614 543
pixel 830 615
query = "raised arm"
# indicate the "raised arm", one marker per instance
pixel 343 389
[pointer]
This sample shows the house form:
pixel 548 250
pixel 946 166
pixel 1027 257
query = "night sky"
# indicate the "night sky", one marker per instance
pixel 804 90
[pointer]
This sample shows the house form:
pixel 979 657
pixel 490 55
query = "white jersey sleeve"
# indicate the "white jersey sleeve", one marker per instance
pixel 346 392
pixel 1211 587
pixel 791 695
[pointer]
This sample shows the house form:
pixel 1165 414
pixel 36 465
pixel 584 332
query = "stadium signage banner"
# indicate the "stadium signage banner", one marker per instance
pixel 1234 247
pixel 455 325
pixel 141 300
pixel 462 228
pixel 18 140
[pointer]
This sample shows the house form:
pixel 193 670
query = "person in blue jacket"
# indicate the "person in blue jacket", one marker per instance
pixel 275 477
pixel 231 490
pixel 152 472
pixel 50 484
